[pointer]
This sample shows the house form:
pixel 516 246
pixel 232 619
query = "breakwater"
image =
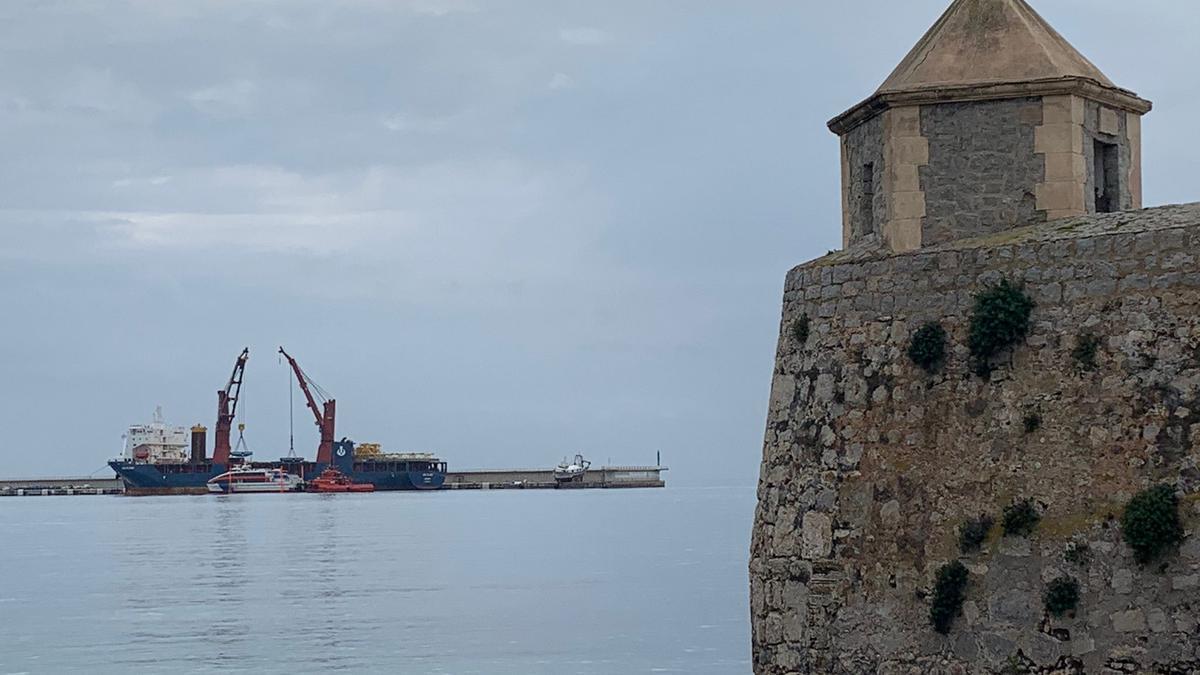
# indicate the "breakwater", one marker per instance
pixel 607 477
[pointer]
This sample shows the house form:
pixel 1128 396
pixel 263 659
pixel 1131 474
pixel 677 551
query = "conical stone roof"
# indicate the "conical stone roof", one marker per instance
pixel 989 49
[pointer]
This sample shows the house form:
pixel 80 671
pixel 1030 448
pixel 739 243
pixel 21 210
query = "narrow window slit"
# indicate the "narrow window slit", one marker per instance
pixel 866 206
pixel 1107 177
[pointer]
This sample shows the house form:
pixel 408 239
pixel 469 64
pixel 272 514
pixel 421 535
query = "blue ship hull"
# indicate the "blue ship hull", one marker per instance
pixel 383 473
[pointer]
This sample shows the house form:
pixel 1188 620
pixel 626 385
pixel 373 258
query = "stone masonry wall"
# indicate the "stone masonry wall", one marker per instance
pixel 863 147
pixel 870 464
pixel 982 168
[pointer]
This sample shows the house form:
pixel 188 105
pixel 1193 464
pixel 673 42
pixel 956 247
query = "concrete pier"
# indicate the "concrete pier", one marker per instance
pixel 46 487
pixel 541 479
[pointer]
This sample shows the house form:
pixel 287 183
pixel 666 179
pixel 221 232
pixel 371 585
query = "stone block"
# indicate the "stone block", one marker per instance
pixel 1157 620
pixel 910 151
pixel 1050 138
pixel 1066 167
pixel 1061 196
pixel 908 205
pixel 906 178
pixel 816 540
pixel 1129 621
pixel 904 234
pixel 783 391
pixel 1185 582
pixel 1133 132
pixel 1110 123
pixel 1062 110
pixel 905 122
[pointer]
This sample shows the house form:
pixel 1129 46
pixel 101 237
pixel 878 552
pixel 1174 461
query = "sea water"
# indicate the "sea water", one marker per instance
pixel 504 582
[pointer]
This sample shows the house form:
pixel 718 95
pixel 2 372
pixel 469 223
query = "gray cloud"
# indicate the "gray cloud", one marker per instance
pixel 502 231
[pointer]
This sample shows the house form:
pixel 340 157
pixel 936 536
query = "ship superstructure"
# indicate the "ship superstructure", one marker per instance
pixel 156 442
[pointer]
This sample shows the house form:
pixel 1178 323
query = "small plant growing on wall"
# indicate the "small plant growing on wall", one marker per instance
pixel 800 329
pixel 972 533
pixel 999 320
pixel 1062 596
pixel 927 347
pixel 1021 519
pixel 948 596
pixel 1151 523
pixel 1087 345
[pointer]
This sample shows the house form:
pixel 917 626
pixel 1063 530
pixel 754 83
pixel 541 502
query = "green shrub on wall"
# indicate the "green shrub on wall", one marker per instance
pixel 999 320
pixel 972 533
pixel 1151 523
pixel 1021 519
pixel 1062 596
pixel 1084 353
pixel 800 329
pixel 927 347
pixel 948 596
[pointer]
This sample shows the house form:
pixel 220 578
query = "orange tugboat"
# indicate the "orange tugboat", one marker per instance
pixel 332 480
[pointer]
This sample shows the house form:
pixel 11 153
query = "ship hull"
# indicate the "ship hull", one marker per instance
pixel 192 478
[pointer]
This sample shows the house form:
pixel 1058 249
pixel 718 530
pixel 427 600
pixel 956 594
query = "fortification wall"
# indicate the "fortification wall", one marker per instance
pixel 870 464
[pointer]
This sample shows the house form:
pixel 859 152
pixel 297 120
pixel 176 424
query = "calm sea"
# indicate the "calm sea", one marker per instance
pixel 495 583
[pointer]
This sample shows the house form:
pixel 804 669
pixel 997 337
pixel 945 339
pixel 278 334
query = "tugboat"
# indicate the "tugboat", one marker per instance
pixel 332 480
pixel 248 479
pixel 568 471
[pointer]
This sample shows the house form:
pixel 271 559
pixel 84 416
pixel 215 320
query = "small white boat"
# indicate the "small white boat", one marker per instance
pixel 571 470
pixel 245 479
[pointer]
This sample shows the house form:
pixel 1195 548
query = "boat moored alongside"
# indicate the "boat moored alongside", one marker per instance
pixel 249 479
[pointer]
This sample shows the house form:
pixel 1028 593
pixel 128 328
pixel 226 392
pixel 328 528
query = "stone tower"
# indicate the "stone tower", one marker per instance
pixel 991 155
pixel 992 121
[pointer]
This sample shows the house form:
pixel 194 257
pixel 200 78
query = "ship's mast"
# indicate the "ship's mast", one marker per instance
pixel 324 416
pixel 227 400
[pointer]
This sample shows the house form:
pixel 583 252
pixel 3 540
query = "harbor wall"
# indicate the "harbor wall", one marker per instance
pixel 60 486
pixel 615 476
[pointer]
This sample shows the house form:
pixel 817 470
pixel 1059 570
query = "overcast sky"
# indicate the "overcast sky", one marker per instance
pixel 500 231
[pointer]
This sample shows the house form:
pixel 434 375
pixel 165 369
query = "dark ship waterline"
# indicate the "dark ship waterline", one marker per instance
pixel 407 471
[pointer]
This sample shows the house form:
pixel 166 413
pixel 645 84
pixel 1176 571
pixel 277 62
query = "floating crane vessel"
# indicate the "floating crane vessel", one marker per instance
pixel 404 471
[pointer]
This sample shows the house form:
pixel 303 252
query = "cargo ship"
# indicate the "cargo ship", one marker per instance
pixel 169 472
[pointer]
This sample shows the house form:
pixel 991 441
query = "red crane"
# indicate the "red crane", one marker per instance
pixel 324 416
pixel 227 400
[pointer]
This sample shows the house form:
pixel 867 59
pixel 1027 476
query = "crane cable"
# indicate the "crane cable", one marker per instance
pixel 241 442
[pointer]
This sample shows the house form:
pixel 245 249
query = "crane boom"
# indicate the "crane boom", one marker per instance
pixel 227 400
pixel 324 415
